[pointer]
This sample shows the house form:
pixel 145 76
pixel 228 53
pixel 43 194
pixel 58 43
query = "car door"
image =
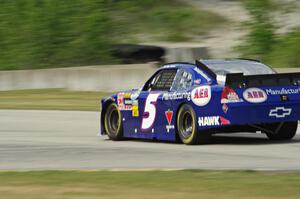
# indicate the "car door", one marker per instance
pixel 149 121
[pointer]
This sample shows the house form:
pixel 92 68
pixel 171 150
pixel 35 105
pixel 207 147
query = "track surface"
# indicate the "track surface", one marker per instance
pixel 37 140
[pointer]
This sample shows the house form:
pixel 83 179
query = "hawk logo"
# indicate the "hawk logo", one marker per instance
pixel 212 121
pixel 280 112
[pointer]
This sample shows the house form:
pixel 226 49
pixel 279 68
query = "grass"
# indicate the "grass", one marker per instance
pixel 286 51
pixel 149 184
pixel 262 43
pixel 51 99
pixel 60 33
pixel 162 20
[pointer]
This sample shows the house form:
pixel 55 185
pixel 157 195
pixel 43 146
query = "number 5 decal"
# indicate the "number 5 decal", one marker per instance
pixel 150 111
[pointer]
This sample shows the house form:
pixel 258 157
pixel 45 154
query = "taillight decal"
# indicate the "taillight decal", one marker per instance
pixel 229 95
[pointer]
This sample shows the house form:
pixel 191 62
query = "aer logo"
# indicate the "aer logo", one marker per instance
pixel 280 112
pixel 255 95
pixel 201 95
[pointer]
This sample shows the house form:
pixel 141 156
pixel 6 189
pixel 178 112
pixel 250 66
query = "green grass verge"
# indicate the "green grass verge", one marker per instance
pixel 51 99
pixel 149 184
pixel 286 51
pixel 262 43
pixel 59 33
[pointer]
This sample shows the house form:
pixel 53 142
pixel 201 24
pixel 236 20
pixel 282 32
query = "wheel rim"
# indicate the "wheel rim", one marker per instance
pixel 113 120
pixel 186 125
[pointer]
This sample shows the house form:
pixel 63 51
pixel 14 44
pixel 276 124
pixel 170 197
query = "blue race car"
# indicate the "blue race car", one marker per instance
pixel 189 102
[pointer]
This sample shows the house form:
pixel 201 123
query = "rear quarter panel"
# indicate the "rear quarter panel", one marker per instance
pixel 209 112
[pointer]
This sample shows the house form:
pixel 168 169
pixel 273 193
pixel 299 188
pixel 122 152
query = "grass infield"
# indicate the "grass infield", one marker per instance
pixel 149 184
pixel 51 99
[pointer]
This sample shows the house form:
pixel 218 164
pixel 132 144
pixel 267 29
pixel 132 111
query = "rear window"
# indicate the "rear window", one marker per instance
pixel 183 80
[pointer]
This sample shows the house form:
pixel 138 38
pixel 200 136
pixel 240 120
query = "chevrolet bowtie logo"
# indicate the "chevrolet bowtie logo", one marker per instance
pixel 280 112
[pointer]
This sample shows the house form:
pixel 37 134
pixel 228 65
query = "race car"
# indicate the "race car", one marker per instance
pixel 189 102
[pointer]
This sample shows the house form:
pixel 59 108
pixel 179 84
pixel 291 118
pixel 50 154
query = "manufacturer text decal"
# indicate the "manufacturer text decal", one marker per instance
pixel 282 91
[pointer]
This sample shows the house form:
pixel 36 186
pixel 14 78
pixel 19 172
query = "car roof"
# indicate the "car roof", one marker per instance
pixel 228 61
pixel 208 62
pixel 178 65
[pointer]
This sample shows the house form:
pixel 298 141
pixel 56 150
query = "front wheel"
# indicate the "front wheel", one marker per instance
pixel 113 122
pixel 286 131
pixel 187 126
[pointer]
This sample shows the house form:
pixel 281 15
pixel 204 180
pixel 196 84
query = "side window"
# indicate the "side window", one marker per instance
pixel 161 81
pixel 183 80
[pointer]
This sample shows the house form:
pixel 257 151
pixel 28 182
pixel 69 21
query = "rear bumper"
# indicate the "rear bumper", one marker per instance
pixel 247 113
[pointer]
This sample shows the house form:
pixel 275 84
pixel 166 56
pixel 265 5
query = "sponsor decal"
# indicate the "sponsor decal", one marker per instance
pixel 201 95
pixel 169 116
pixel 177 96
pixel 255 95
pixel 197 81
pixel 212 121
pixel 283 91
pixel 135 102
pixel 169 66
pixel 280 112
pixel 127 102
pixel 225 108
pixel 224 121
pixel 130 102
pixel 121 102
pixel 135 95
pixel 284 98
pixel 229 96
pixel 127 95
pixel 135 111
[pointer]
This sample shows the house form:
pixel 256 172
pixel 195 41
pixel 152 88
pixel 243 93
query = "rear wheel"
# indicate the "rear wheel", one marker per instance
pixel 286 132
pixel 113 122
pixel 187 126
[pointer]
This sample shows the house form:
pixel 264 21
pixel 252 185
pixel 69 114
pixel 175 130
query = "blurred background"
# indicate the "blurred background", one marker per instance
pixel 67 54
pixel 62 33
pixel 111 45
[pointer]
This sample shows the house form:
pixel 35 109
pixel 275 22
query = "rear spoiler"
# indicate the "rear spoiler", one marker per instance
pixel 207 70
pixel 239 80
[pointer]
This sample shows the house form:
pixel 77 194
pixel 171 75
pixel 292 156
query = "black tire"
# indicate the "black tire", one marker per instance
pixel 287 131
pixel 186 126
pixel 113 122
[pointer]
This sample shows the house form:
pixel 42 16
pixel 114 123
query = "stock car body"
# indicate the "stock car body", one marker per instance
pixel 189 102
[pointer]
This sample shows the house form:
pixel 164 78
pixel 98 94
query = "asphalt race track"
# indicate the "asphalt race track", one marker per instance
pixel 38 140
